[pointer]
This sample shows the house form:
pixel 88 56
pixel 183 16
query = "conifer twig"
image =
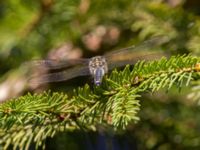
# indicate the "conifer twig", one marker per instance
pixel 33 118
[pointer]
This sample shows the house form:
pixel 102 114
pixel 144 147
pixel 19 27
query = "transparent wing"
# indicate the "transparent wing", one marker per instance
pixel 132 54
pixel 57 64
pixel 146 45
pixel 60 76
pixel 134 59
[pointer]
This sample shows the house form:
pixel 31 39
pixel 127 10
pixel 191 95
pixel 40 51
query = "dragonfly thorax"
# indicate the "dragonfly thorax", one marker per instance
pixel 98 68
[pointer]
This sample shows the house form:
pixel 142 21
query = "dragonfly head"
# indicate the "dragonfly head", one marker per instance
pixel 98 68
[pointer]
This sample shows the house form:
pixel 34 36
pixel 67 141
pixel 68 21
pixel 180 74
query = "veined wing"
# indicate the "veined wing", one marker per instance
pixel 146 45
pixel 60 76
pixel 132 54
pixel 134 59
pixel 57 64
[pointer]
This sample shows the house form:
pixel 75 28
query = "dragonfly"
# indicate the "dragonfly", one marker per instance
pixel 98 66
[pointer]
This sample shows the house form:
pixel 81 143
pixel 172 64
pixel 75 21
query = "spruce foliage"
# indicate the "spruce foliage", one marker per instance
pixel 34 117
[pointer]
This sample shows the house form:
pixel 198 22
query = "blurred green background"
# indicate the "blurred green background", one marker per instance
pixel 64 29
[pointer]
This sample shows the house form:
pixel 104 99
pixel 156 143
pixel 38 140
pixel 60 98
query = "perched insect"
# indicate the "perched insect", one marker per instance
pixel 98 66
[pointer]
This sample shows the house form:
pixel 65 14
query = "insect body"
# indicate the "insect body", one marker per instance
pixel 98 66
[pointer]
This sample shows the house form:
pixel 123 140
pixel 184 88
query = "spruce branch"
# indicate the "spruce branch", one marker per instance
pixel 33 118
